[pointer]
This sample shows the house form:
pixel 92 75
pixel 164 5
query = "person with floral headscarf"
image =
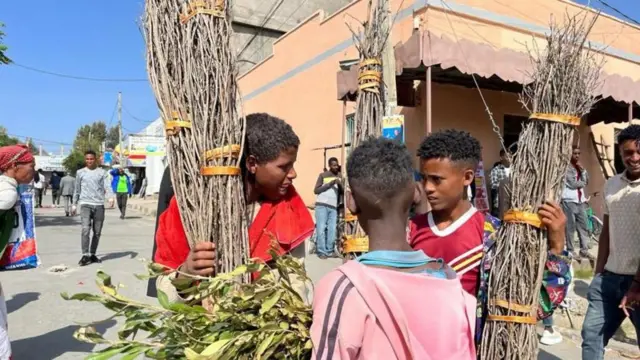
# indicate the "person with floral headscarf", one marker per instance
pixel 16 167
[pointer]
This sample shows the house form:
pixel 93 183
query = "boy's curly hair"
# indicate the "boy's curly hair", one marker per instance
pixel 631 132
pixel 455 145
pixel 380 166
pixel 267 136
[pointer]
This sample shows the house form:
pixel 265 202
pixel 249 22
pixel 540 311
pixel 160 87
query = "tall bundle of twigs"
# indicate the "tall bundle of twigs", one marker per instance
pixel 370 44
pixel 564 81
pixel 192 70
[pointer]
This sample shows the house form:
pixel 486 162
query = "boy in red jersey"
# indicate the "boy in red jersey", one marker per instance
pixel 462 236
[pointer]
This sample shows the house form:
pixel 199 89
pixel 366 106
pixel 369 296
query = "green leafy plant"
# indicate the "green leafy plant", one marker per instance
pixel 266 319
pixel 3 48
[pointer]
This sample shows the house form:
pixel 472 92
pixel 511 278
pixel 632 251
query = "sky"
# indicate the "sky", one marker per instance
pixel 96 39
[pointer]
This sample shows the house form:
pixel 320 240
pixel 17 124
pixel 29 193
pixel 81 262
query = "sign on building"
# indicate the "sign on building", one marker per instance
pixel 49 162
pixel 393 127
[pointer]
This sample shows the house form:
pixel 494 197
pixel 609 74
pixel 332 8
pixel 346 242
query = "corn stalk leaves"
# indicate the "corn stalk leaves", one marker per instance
pixel 266 319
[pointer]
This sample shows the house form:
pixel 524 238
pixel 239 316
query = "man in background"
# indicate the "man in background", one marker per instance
pixel 500 171
pixel 67 187
pixel 328 190
pixel 121 186
pixel 55 188
pixel 574 204
pixel 90 193
pixel 38 186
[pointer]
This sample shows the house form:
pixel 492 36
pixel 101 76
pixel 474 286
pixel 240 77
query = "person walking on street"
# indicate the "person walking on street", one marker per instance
pixel 55 189
pixel 16 167
pixel 614 292
pixel 500 171
pixel 90 192
pixel 67 187
pixel 121 186
pixel 328 189
pixel 38 187
pixel 574 204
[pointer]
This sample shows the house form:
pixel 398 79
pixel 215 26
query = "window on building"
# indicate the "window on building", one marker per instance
pixel 617 159
pixel 512 129
pixel 350 124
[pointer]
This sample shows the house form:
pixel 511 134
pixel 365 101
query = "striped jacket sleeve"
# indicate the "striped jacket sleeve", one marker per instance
pixel 339 319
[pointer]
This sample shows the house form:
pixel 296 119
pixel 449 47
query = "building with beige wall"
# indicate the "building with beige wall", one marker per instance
pixel 440 46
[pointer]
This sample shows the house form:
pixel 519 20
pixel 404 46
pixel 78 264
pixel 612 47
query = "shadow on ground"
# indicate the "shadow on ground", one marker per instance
pixel 581 287
pixel 44 221
pixel 55 343
pixel 20 300
pixel 119 255
pixel 544 355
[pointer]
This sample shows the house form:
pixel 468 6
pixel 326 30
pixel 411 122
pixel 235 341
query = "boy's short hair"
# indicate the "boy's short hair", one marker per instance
pixel 90 152
pixel 267 136
pixel 455 145
pixel 631 132
pixel 332 159
pixel 380 167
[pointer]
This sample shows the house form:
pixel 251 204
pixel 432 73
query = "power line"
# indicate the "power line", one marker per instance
pixel 113 114
pixel 40 140
pixel 267 17
pixel 612 8
pixel 75 77
pixel 278 29
pixel 135 117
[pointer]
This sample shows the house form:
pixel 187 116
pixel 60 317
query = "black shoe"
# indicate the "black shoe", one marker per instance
pixel 86 260
pixel 66 214
pixel 121 217
pixel 94 259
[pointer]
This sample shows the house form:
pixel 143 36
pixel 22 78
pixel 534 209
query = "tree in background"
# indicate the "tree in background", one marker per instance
pixel 88 137
pixel 3 48
pixel 113 137
pixel 6 139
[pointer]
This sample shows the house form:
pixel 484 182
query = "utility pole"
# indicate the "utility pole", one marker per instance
pixel 121 154
pixel 389 66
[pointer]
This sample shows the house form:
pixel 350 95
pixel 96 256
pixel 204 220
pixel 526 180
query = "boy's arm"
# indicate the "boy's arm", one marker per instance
pixel 76 191
pixel 320 186
pixel 603 246
pixel 337 330
pixel 572 182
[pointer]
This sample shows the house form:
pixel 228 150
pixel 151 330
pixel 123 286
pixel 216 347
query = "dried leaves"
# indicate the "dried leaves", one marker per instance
pixel 263 320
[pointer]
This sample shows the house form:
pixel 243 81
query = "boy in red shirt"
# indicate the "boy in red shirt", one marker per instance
pixel 458 233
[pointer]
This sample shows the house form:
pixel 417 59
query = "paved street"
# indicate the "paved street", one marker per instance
pixel 41 323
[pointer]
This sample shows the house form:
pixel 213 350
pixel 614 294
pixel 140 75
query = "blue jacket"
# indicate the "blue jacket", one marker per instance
pixel 116 178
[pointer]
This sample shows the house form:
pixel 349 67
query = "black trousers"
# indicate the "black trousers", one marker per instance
pixel 122 202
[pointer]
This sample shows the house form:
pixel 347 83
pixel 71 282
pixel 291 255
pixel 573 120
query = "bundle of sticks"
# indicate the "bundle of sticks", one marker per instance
pixel 192 70
pixel 564 80
pixel 370 42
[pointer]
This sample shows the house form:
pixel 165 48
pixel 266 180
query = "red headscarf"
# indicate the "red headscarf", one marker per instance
pixel 288 221
pixel 14 154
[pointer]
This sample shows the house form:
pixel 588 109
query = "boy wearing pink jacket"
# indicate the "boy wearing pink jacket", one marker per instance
pixel 393 302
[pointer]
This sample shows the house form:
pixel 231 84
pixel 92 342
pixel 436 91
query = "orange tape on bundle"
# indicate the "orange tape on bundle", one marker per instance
pixel 559 118
pixel 368 62
pixel 173 126
pixel 522 217
pixel 355 244
pixel 530 319
pixel 220 171
pixel 230 151
pixel 203 7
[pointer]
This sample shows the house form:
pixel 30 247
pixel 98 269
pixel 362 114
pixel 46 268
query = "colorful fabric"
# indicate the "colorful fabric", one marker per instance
pixel 459 245
pixel 120 183
pixel 284 224
pixel 555 280
pixel 362 312
pixel 14 154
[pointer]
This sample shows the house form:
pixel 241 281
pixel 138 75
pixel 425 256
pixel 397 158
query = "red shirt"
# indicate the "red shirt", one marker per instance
pixel 459 245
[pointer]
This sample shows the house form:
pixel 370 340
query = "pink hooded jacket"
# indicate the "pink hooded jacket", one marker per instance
pixel 362 312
